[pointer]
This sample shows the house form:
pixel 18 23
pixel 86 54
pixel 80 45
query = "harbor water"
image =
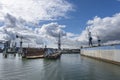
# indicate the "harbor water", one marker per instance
pixel 68 67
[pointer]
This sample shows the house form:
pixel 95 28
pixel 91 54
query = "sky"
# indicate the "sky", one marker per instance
pixel 39 22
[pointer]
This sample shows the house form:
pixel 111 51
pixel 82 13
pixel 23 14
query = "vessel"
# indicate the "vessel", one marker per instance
pixel 33 53
pixel 54 55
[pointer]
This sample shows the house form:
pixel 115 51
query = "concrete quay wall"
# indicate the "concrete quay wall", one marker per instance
pixel 111 55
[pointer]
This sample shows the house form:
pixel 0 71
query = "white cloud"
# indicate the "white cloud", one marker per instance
pixel 35 10
pixel 20 16
pixel 107 29
pixel 50 33
pixel 52 30
pixel 118 0
pixel 15 27
pixel 46 34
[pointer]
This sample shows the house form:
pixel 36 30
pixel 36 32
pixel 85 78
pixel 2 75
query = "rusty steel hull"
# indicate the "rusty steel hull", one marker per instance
pixel 32 53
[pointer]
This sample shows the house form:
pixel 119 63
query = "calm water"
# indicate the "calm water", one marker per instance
pixel 69 67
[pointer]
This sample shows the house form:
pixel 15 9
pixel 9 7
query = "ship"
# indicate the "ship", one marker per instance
pixel 52 54
pixel 33 53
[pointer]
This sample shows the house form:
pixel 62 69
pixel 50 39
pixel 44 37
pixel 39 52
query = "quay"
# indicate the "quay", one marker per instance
pixel 107 53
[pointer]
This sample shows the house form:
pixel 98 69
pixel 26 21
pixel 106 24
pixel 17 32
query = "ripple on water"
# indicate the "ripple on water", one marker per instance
pixel 68 67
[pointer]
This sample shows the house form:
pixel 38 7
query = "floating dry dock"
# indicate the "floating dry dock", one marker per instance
pixel 109 53
pixel 33 53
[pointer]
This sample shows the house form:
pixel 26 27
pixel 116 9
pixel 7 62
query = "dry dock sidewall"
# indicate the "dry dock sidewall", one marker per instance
pixel 112 56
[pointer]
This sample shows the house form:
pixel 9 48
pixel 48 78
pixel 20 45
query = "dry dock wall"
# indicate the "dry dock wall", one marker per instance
pixel 105 53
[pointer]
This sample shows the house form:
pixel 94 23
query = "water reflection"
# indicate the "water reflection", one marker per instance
pixel 68 67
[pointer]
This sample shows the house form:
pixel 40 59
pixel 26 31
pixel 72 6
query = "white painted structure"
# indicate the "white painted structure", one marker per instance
pixel 110 53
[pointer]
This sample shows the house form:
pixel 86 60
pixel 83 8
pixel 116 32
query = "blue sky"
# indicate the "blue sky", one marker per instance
pixel 42 20
pixel 85 10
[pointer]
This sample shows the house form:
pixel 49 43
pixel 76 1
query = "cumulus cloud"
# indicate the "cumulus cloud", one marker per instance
pixel 45 34
pixel 118 0
pixel 106 28
pixel 13 27
pixel 52 29
pixel 21 17
pixel 50 32
pixel 35 10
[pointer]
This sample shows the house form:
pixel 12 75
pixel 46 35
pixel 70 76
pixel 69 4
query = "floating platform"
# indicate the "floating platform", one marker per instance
pixel 34 57
pixel 108 53
pixel 33 53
